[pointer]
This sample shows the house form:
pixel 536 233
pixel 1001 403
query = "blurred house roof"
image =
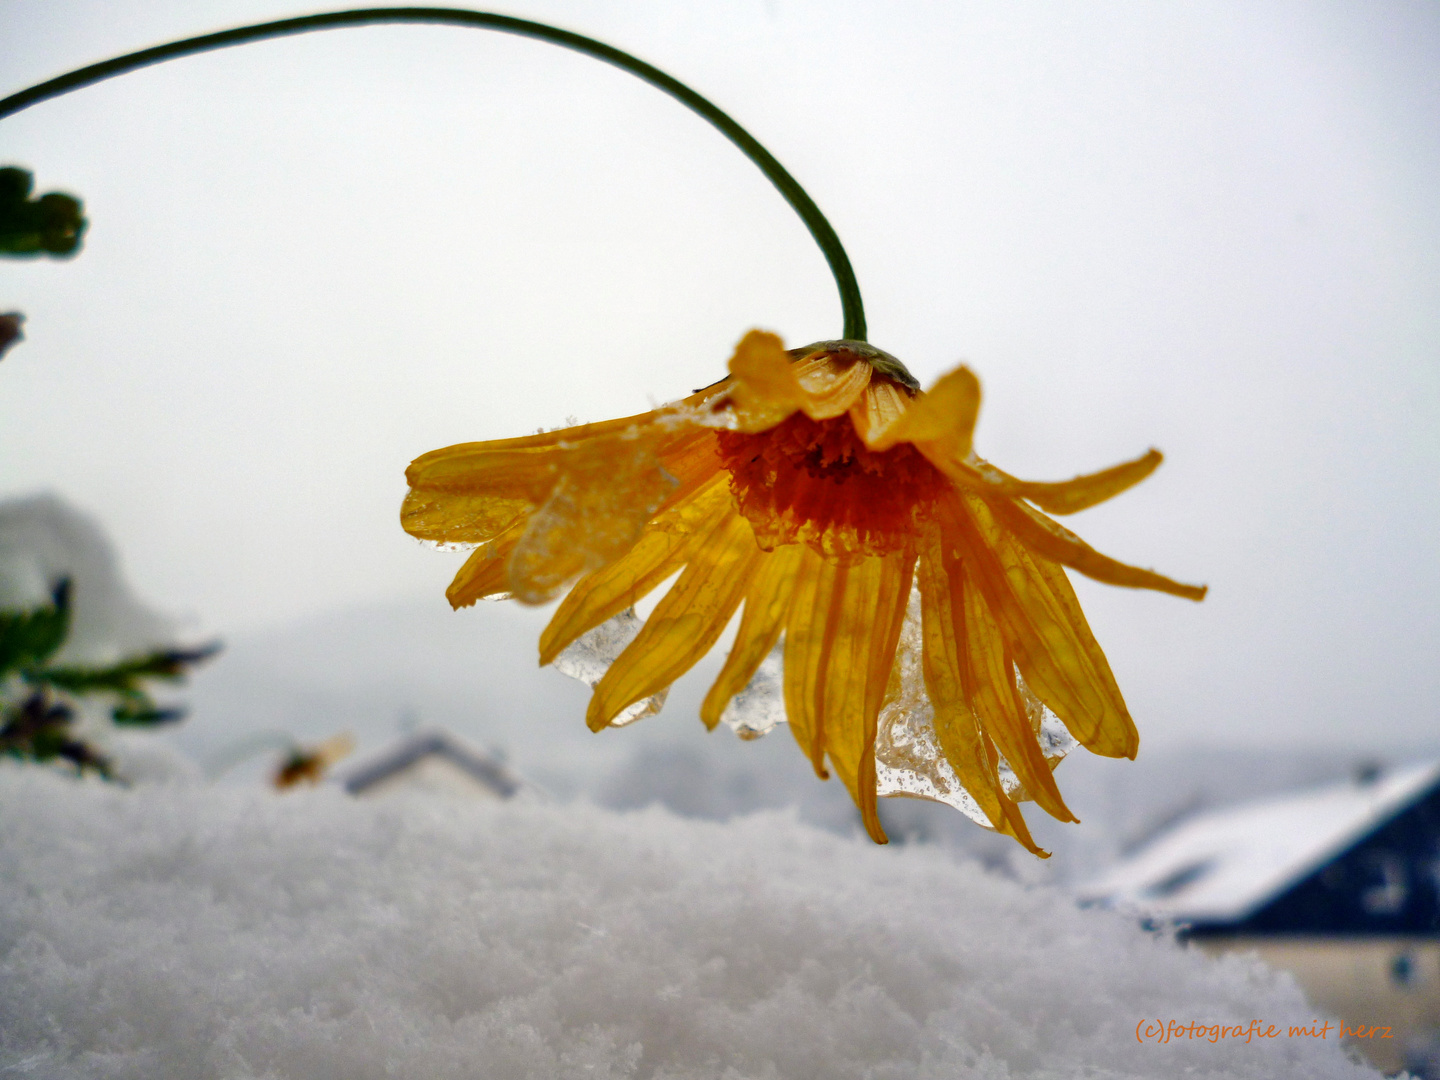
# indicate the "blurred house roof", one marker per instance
pixel 1226 867
pixel 432 760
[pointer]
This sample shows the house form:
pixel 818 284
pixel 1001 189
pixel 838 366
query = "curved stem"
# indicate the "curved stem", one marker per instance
pixel 794 194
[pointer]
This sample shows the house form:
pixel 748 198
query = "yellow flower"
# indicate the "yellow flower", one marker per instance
pixel 904 603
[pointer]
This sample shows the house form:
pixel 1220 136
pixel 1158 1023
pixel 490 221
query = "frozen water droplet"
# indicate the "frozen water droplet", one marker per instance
pixel 908 759
pixel 590 656
pixel 756 710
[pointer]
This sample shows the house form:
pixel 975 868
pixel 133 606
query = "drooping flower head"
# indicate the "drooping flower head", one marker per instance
pixel 902 603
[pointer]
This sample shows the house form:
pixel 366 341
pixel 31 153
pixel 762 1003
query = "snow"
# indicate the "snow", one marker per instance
pixel 43 539
pixel 190 930
pixel 1220 866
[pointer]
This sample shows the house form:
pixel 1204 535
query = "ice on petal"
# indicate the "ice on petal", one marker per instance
pixel 756 710
pixel 591 655
pixel 1010 783
pixel 1055 739
pixel 606 493
pixel 908 758
pixel 909 763
pixel 644 707
pixel 1056 742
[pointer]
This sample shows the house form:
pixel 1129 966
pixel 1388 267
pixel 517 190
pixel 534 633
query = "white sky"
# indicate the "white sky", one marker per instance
pixel 1210 227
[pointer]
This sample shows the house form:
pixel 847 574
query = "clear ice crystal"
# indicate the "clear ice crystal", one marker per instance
pixel 908 759
pixel 756 710
pixel 590 656
pixel 1055 740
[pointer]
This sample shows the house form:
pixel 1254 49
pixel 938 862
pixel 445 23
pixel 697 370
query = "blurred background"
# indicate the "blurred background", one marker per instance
pixel 1213 228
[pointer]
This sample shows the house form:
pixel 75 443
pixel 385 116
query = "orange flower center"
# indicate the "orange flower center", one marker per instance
pixel 815 482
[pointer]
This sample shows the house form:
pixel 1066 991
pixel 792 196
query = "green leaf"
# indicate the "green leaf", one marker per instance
pixel 124 677
pixel 29 638
pixel 146 714
pixel 38 730
pixel 50 225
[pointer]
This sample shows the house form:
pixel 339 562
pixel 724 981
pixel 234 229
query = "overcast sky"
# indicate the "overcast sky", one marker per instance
pixel 1210 227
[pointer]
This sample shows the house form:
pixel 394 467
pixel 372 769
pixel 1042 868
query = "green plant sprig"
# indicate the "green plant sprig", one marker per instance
pixel 37 698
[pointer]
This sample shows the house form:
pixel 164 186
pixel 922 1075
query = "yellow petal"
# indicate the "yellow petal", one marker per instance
pixel 768 384
pixel 956 729
pixel 473 461
pixel 766 605
pixel 525 467
pixel 693 459
pixel 458 517
pixel 1060 497
pixel 867 611
pixel 486 571
pixel 831 383
pixel 662 550
pixel 684 625
pixel 1013 818
pixel 805 650
pixel 596 512
pixel 1115 735
pixel 941 421
pixel 1071 496
pixel 469 492
pixel 876 410
pixel 1057 543
pixel 990 687
pixel 764 387
pixel 1041 620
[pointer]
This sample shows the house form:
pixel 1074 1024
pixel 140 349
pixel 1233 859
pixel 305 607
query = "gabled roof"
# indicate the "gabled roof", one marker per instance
pixel 414 748
pixel 1222 866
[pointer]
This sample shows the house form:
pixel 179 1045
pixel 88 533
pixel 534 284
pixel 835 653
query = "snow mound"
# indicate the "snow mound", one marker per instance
pixel 193 932
pixel 43 539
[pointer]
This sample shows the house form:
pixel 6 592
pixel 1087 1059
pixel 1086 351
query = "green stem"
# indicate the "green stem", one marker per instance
pixel 794 194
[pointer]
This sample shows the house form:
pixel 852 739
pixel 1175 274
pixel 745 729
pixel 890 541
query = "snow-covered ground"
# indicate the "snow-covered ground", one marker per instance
pixel 191 931
pixel 679 905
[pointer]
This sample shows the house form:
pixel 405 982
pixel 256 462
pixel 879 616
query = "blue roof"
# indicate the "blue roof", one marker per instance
pixel 1222 867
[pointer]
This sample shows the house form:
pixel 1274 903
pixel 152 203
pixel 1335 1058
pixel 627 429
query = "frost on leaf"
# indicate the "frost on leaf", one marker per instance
pixel 591 655
pixel 756 710
pixel 908 759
